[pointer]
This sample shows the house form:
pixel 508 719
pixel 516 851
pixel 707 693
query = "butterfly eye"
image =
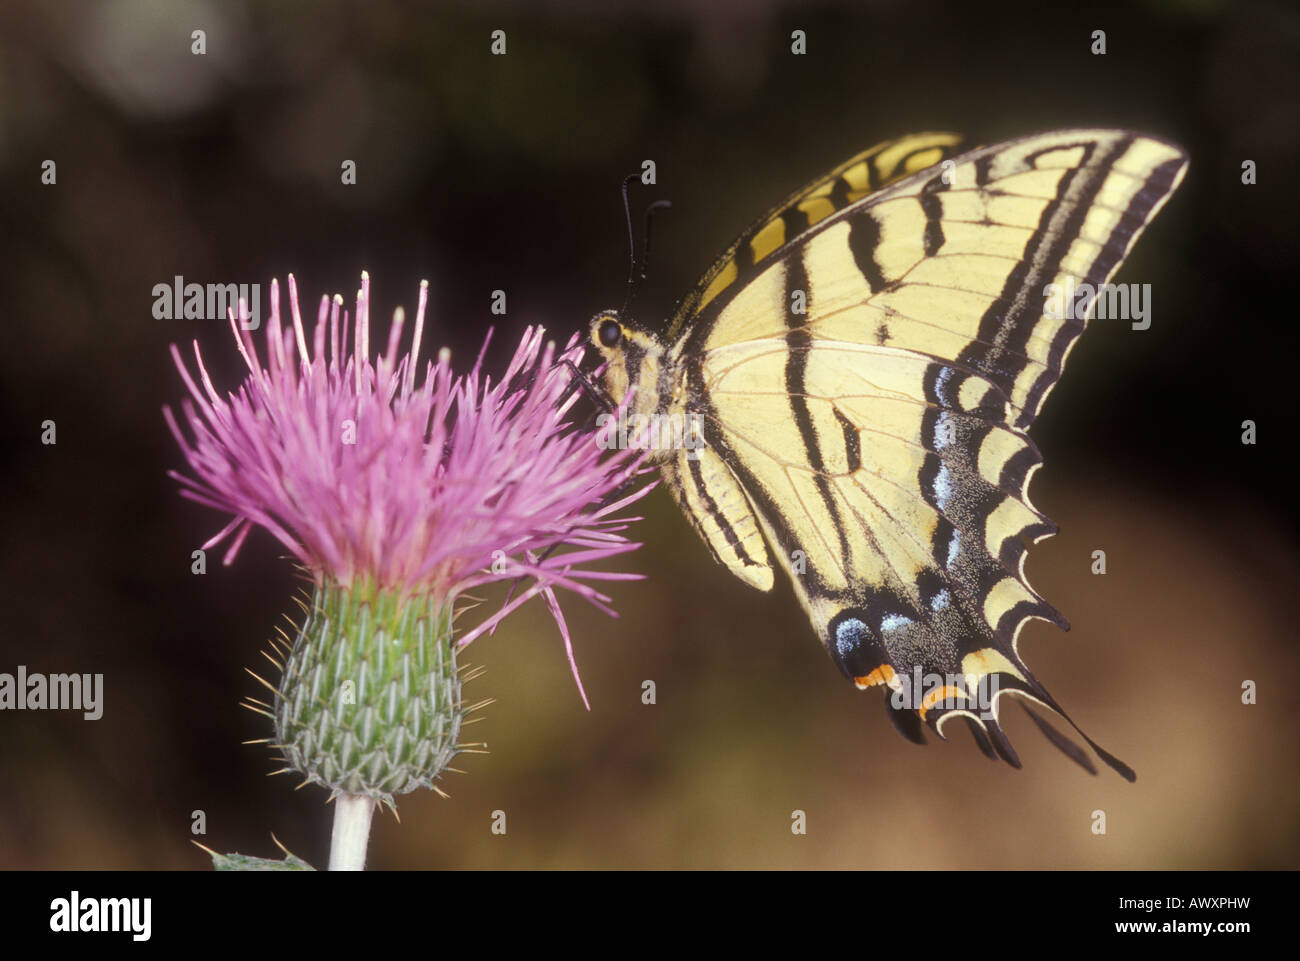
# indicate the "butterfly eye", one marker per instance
pixel 610 333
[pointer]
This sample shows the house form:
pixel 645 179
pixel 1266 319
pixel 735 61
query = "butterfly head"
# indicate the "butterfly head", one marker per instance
pixel 634 360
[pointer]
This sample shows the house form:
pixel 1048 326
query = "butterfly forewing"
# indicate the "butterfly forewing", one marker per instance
pixel 850 182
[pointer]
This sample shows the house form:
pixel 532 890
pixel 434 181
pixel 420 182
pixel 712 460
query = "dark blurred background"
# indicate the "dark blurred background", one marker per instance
pixel 481 172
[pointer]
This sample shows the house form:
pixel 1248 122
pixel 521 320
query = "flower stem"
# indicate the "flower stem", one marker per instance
pixel 352 814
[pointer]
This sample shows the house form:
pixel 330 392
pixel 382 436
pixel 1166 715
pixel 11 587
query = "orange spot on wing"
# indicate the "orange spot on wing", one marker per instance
pixel 881 675
pixel 940 694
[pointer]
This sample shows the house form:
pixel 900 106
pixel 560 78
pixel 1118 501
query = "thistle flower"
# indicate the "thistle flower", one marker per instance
pixel 399 494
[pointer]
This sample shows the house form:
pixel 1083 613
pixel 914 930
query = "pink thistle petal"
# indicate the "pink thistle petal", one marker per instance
pixel 401 473
pixel 554 606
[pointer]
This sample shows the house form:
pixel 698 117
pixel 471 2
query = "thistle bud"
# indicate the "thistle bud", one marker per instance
pixel 370 701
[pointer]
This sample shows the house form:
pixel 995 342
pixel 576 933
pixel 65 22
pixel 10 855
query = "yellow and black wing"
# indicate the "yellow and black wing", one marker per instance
pixel 703 485
pixel 864 382
pixel 849 183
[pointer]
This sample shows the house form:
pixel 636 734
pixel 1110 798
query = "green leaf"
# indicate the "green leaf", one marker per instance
pixel 242 862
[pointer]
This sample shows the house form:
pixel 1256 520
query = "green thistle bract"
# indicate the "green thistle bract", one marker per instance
pixel 370 699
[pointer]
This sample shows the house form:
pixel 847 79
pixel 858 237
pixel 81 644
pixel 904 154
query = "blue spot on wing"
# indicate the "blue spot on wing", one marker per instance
pixel 894 622
pixel 853 644
pixel 943 431
pixel 851 635
pixel 941 383
pixel 942 487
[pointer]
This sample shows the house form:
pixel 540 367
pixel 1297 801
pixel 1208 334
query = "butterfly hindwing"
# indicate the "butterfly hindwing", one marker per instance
pixel 707 492
pixel 894 495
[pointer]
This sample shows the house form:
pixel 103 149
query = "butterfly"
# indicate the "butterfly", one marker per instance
pixel 850 386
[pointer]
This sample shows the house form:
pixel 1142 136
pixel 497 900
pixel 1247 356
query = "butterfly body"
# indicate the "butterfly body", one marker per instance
pixel 857 375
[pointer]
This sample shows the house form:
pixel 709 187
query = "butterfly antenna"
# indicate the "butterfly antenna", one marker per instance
pixel 645 244
pixel 631 243
pixel 638 265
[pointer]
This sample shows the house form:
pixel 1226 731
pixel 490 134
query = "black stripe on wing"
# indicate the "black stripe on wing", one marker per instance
pixel 788 224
